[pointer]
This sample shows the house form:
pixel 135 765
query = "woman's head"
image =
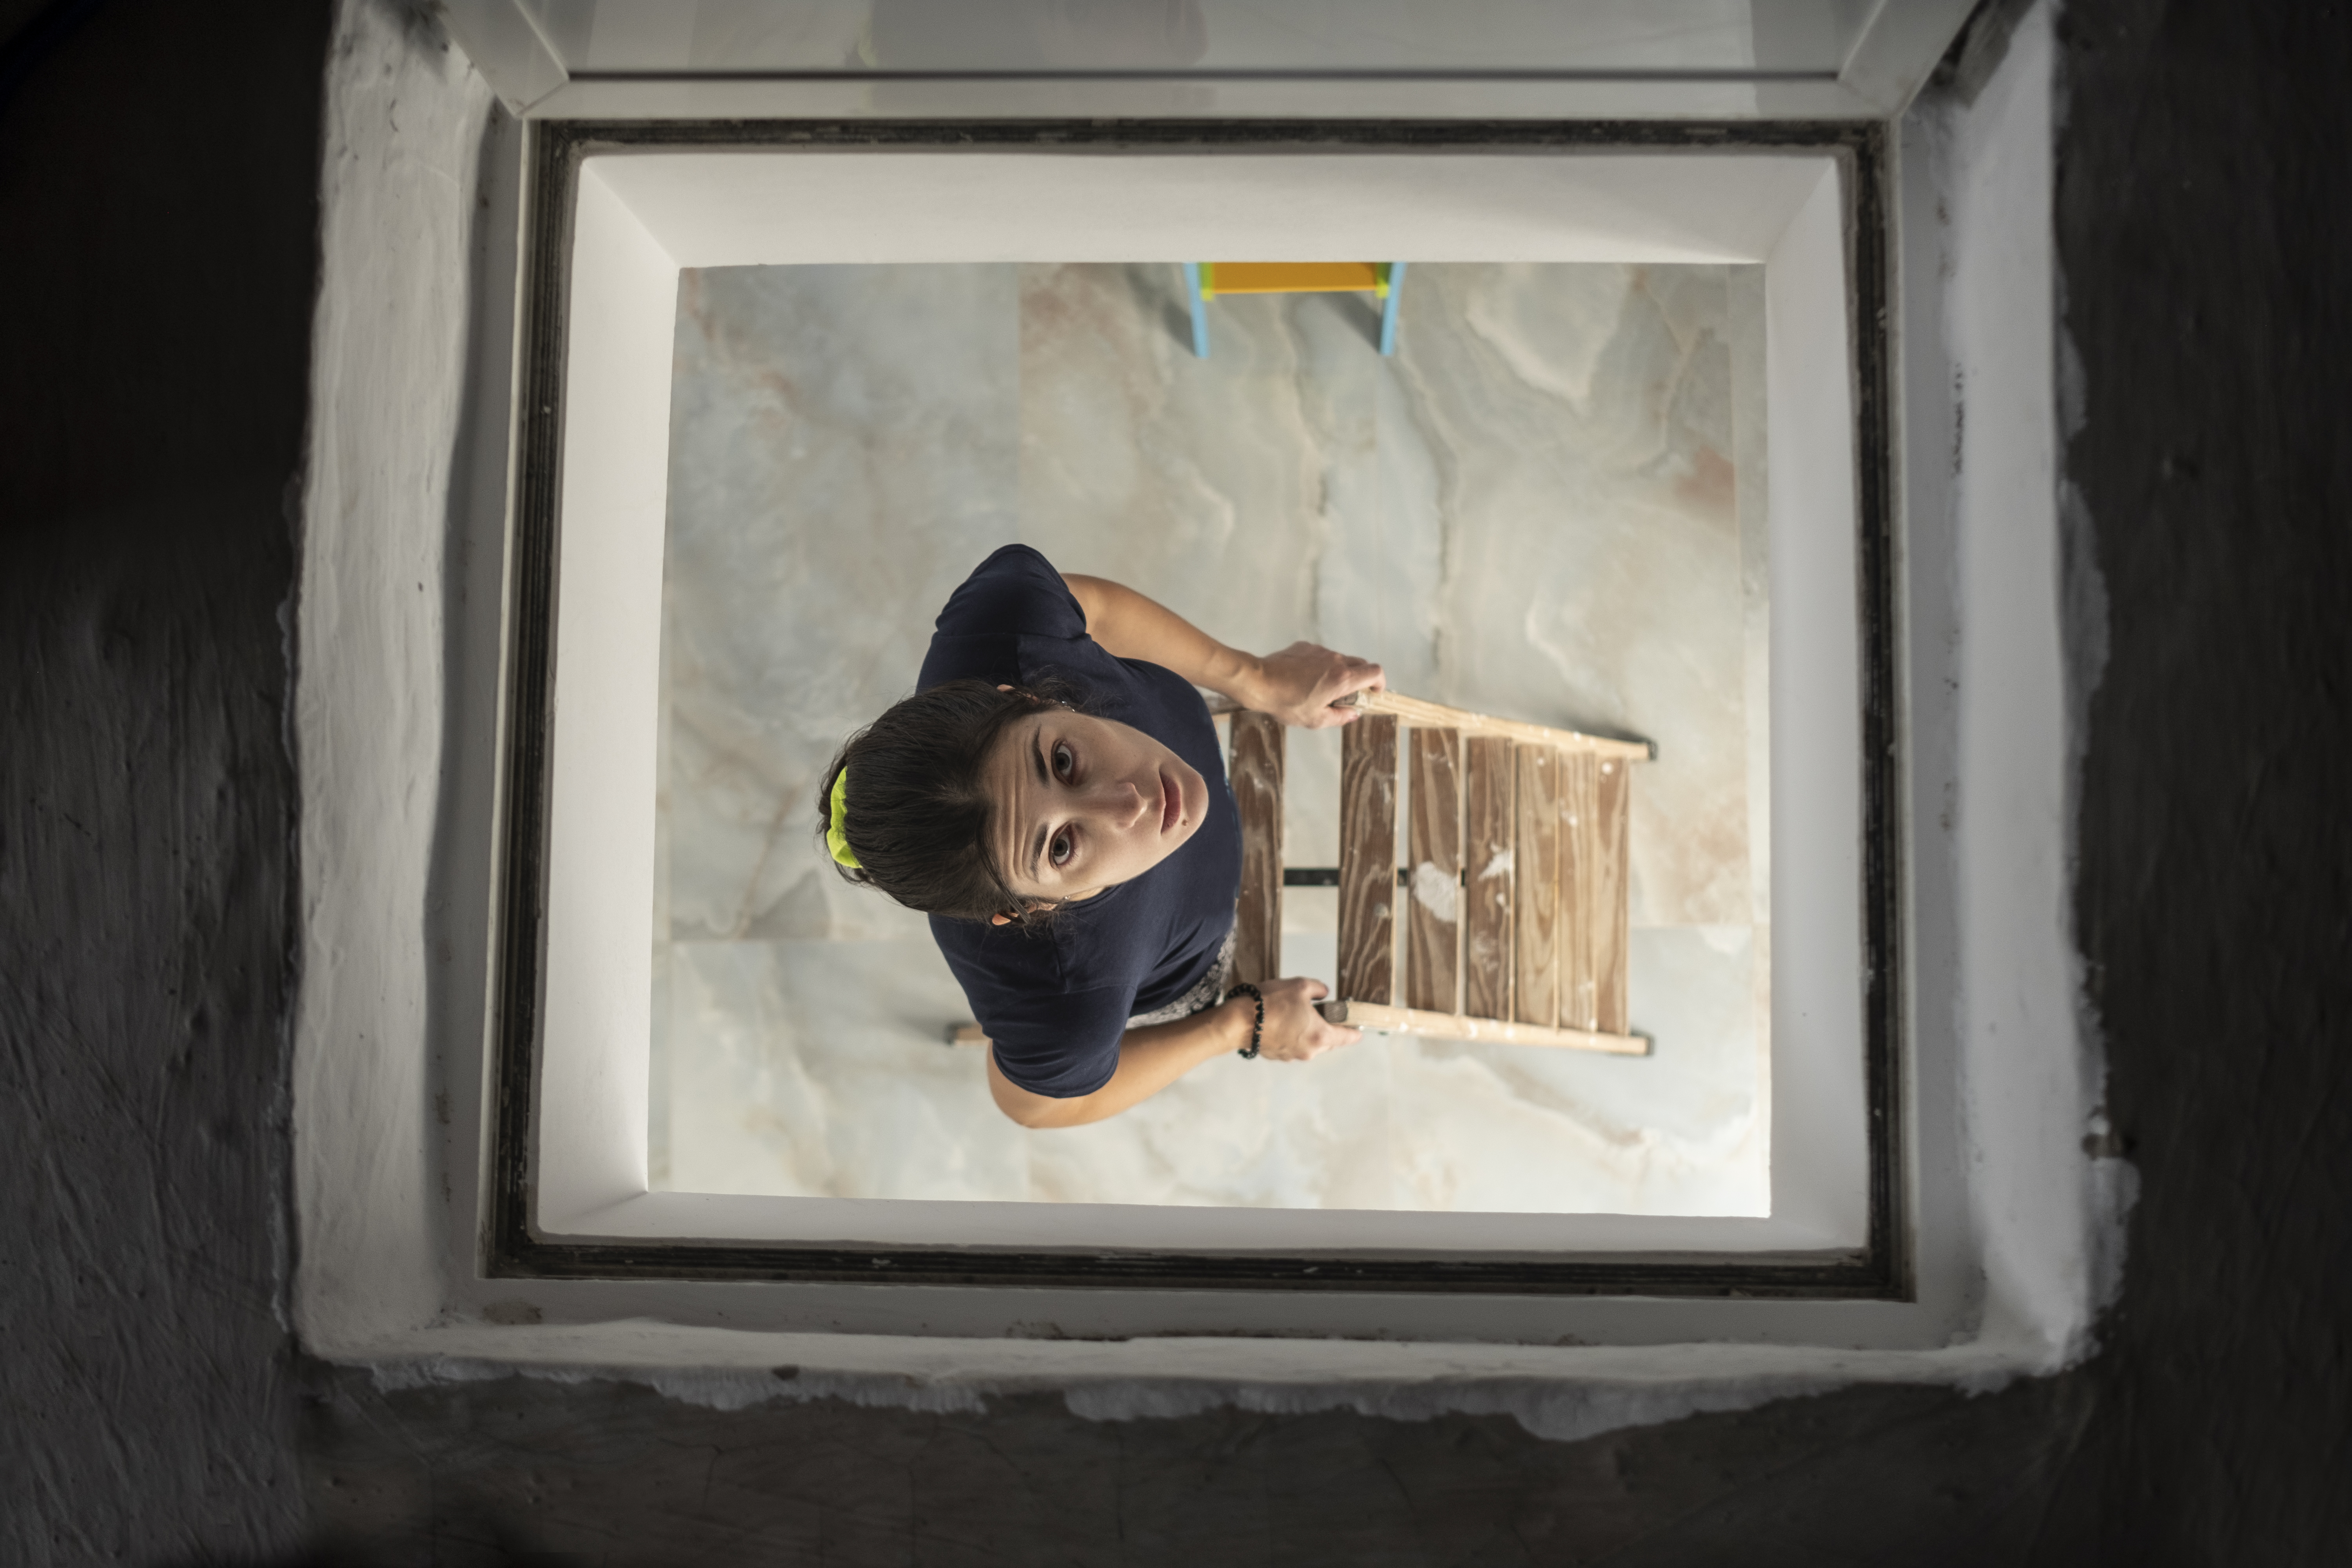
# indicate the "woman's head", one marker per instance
pixel 979 802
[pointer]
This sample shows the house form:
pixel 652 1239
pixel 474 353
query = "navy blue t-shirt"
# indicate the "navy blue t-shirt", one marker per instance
pixel 1055 1002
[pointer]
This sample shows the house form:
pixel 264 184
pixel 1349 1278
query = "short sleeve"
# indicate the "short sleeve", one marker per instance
pixel 1062 1046
pixel 1048 1036
pixel 1013 595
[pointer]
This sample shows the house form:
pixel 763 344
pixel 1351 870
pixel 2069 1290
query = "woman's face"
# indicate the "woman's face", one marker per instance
pixel 1084 803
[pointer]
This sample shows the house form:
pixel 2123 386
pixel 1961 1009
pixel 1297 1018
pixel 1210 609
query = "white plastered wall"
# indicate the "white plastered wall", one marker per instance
pixel 393 735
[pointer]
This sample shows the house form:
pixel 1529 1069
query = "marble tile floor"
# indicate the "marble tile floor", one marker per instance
pixel 1549 503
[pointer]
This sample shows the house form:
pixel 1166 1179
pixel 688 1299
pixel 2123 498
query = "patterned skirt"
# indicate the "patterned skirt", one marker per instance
pixel 1207 992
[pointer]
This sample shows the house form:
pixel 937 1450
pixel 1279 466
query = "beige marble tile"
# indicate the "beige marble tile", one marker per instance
pixel 843 451
pixel 815 1067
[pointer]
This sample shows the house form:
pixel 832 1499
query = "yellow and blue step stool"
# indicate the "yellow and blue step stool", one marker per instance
pixel 1204 281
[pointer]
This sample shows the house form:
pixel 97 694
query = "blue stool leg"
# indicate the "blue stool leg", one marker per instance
pixel 1389 310
pixel 1200 310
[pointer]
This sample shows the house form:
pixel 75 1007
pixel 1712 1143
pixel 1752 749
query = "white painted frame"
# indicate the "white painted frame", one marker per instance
pixel 641 216
pixel 1892 54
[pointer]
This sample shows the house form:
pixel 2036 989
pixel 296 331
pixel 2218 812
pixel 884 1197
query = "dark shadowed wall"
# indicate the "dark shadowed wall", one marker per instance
pixel 158 257
pixel 158 171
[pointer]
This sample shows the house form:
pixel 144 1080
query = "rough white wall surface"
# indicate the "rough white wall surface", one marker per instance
pixel 407 124
pixel 2029 1060
pixel 405 118
pixel 1561 1394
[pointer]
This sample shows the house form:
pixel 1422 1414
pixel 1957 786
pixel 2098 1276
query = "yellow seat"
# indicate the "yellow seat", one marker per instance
pixel 1204 281
pixel 1293 277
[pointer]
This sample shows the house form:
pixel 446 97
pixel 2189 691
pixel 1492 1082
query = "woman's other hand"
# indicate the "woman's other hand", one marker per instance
pixel 1300 684
pixel 1294 1031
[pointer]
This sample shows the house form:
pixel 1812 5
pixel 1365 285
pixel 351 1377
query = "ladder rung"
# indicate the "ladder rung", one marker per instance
pixel 1328 877
pixel 1458 1026
pixel 1437 716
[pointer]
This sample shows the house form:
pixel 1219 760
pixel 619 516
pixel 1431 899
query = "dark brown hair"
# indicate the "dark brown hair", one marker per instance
pixel 917 808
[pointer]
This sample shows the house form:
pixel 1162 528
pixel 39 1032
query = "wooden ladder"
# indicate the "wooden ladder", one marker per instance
pixel 1514 886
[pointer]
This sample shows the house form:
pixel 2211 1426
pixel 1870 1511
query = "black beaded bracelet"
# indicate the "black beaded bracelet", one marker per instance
pixel 1257 1029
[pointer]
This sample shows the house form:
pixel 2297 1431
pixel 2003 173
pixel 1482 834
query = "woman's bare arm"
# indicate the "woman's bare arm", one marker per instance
pixel 1151 1058
pixel 1298 685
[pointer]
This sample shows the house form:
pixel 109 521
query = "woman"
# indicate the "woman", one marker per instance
pixel 1053 798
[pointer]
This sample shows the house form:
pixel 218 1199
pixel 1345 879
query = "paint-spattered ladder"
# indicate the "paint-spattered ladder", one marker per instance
pixel 1513 894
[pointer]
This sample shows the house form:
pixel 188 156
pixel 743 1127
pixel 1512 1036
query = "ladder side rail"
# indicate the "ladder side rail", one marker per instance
pixel 1258 749
pixel 1433 874
pixel 1368 881
pixel 1487 773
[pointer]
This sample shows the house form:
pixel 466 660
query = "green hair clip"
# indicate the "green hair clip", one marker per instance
pixel 835 838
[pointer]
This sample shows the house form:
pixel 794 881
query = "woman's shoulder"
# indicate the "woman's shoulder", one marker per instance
pixel 1015 592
